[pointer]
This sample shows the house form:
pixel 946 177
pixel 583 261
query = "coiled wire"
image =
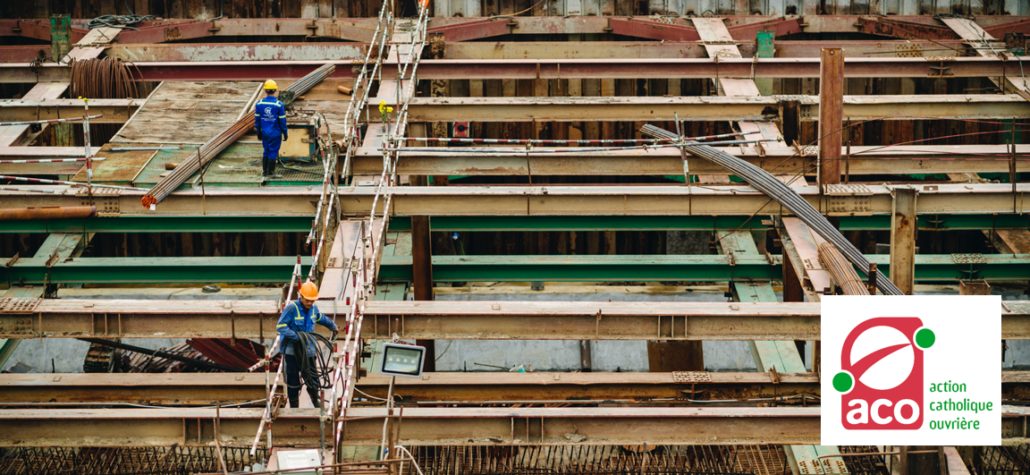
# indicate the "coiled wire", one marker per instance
pixel 322 371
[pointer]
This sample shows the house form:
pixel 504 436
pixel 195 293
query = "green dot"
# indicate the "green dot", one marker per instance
pixel 925 338
pixel 843 382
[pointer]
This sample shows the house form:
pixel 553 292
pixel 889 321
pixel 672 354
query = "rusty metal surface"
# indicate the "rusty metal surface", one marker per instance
pixel 173 460
pixel 642 459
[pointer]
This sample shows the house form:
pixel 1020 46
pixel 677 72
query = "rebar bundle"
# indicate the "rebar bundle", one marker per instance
pixel 210 149
pixel 765 182
pixel 841 270
pixel 104 78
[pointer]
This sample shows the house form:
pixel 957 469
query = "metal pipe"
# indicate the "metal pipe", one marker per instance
pixel 50 212
pixel 765 182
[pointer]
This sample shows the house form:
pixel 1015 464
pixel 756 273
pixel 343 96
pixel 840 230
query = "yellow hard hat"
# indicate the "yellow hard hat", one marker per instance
pixel 309 291
pixel 270 85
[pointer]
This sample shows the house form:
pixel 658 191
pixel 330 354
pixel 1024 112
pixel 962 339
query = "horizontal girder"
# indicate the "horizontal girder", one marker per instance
pixel 71 318
pixel 113 111
pixel 435 387
pixel 431 426
pixel 665 161
pixel 600 68
pixel 300 224
pixel 558 200
pixel 709 108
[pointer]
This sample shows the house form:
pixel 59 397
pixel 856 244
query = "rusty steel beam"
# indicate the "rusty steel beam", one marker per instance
pixel 706 68
pixel 840 200
pixel 187 389
pixel 253 62
pixel 211 388
pixel 560 200
pixel 196 389
pixel 113 111
pixel 432 426
pixel 915 52
pixel 661 161
pixel 741 27
pixel 565 109
pixel 73 318
pixel 482 50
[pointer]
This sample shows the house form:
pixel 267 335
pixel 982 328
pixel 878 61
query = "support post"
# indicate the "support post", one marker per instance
pixel 422 276
pixel 903 239
pixel 422 256
pixel 831 107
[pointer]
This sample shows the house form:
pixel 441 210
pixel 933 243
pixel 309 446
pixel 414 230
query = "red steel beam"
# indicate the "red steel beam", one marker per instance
pixel 652 30
pixel 548 69
pixel 473 29
pixel 779 26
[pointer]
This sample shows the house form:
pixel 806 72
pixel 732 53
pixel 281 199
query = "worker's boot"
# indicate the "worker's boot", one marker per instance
pixel 316 398
pixel 293 394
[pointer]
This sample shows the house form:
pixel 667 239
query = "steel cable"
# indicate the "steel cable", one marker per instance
pixel 768 184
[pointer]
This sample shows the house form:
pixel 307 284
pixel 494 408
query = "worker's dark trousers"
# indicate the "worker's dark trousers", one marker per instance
pixel 271 154
pixel 293 381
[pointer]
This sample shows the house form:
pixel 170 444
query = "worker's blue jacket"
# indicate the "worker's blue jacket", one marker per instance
pixel 295 318
pixel 270 121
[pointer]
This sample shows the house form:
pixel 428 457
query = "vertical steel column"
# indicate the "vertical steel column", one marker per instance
pixel 903 239
pixel 831 108
pixel 60 45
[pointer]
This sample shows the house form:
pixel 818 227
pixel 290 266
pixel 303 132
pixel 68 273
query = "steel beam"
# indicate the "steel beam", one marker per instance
pixel 119 270
pixel 521 50
pixel 710 108
pixel 561 200
pixel 114 111
pixel 543 50
pixel 300 224
pixel 162 224
pixel 225 388
pixel 74 318
pixel 699 223
pixel 665 161
pixel 706 68
pixel 213 69
pixel 188 389
pixel 431 426
pixel 194 389
pixel 840 200
pixel 692 268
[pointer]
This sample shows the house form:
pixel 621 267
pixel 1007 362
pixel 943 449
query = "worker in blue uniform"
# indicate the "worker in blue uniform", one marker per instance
pixel 301 315
pixel 270 124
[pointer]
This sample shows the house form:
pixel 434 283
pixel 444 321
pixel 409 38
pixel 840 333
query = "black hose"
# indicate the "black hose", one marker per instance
pixel 321 372
pixel 766 183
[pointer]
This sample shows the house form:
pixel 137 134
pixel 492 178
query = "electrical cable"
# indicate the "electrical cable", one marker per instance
pixel 321 372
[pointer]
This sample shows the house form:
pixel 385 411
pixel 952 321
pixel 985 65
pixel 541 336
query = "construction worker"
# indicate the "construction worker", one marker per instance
pixel 270 124
pixel 301 315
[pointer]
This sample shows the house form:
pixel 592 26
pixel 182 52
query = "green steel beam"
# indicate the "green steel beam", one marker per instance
pixel 693 268
pixel 580 268
pixel 162 224
pixel 700 223
pixel 155 270
pixel 298 224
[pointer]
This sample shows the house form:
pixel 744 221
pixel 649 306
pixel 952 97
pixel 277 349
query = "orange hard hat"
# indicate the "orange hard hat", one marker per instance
pixel 309 291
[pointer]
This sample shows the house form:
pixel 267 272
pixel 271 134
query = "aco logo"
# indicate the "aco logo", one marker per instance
pixel 881 377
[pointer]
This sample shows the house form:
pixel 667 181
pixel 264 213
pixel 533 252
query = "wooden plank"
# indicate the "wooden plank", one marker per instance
pixel 207 107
